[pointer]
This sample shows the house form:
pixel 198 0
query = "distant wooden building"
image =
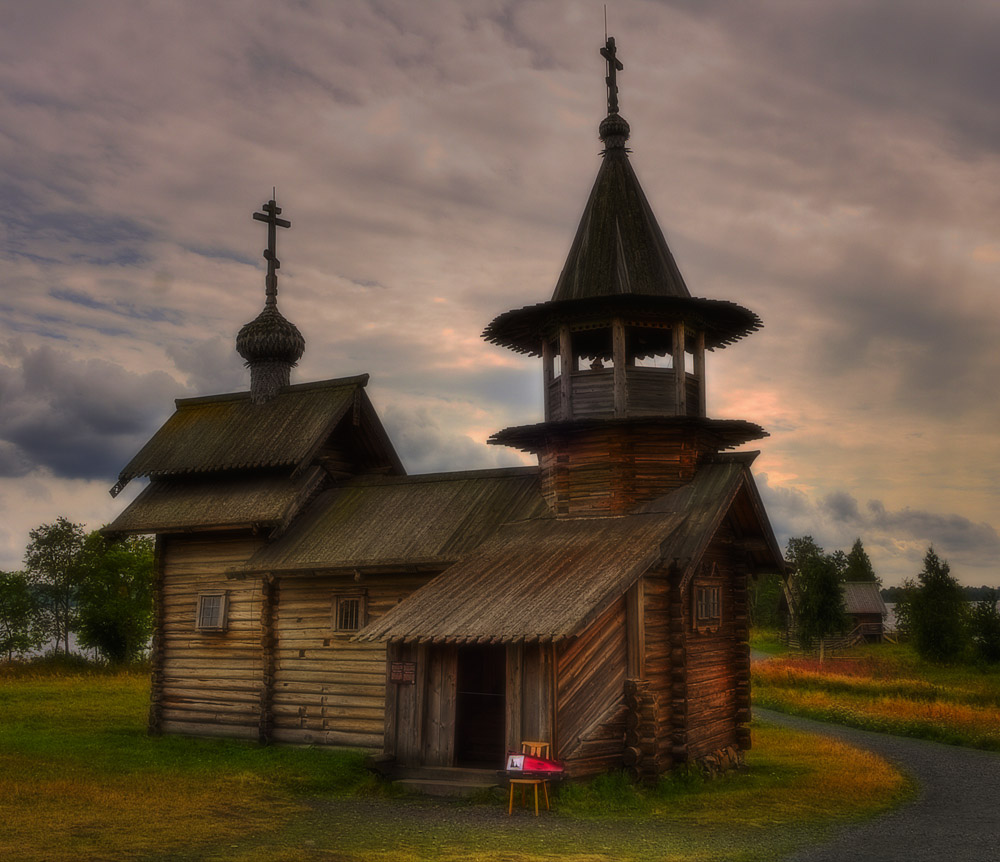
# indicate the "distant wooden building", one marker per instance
pixel 864 610
pixel 308 591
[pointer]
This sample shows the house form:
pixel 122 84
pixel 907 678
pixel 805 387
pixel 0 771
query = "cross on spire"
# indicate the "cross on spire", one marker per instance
pixel 270 216
pixel 614 67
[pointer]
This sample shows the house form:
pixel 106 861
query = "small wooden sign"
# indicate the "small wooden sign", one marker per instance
pixel 403 672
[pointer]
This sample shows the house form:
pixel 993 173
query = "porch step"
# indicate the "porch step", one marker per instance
pixel 445 780
pixel 443 787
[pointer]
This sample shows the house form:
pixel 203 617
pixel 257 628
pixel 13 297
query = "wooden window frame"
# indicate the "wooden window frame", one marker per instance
pixel 223 618
pixel 706 610
pixel 339 600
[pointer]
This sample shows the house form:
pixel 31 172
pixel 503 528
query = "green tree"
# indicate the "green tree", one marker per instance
pixel 903 596
pixel 938 612
pixel 765 594
pixel 859 565
pixel 52 562
pixel 22 625
pixel 820 597
pixel 116 596
pixel 984 628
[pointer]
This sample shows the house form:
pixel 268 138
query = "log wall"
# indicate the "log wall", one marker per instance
pixel 711 656
pixel 326 689
pixel 208 683
pixel 610 471
pixel 590 679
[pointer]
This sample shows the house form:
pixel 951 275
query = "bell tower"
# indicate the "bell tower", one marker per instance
pixel 623 344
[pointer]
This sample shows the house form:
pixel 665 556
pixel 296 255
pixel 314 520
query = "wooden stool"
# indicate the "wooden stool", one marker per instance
pixel 535 749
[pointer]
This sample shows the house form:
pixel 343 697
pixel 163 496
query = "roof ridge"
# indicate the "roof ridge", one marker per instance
pixel 331 383
pixel 444 476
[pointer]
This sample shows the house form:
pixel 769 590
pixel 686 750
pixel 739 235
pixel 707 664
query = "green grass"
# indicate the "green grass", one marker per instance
pixel 80 780
pixel 888 688
pixel 767 641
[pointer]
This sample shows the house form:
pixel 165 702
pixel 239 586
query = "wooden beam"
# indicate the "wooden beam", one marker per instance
pixel 618 347
pixel 515 682
pixel 547 374
pixel 635 628
pixel 699 371
pixel 566 363
pixel 680 378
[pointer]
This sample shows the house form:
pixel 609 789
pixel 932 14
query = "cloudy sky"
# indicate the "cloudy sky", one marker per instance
pixel 833 166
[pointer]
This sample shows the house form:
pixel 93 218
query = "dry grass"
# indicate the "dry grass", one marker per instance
pixel 889 691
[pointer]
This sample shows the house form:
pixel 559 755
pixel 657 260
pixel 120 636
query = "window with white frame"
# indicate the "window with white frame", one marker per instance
pixel 211 613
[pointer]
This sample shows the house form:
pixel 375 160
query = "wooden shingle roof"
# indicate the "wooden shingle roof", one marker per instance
pixel 228 432
pixel 402 521
pixel 534 580
pixel 221 502
pixel 546 579
pixel 863 597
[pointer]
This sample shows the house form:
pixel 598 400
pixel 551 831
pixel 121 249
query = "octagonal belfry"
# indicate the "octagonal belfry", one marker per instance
pixel 622 343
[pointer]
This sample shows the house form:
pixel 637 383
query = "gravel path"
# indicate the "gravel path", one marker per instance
pixel 955 818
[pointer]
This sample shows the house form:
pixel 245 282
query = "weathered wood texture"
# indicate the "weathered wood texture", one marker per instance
pixel 327 689
pixel 711 656
pixel 208 683
pixel 590 674
pixel 538 694
pixel 632 390
pixel 609 471
pixel 439 706
pixel 664 639
pixel 156 654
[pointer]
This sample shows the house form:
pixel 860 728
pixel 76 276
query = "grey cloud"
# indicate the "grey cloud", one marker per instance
pixel 79 419
pixel 425 447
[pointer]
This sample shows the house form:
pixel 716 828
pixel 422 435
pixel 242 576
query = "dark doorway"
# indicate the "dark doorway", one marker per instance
pixel 479 709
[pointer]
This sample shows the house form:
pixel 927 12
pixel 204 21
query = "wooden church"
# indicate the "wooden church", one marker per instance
pixel 309 591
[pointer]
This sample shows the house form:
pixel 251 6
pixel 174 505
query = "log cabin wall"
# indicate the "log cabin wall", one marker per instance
pixel 667 680
pixel 610 471
pixel 328 690
pixel 208 683
pixel 590 679
pixel 712 652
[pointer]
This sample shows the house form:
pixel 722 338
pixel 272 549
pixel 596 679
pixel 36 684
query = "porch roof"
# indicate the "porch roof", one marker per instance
pixel 547 579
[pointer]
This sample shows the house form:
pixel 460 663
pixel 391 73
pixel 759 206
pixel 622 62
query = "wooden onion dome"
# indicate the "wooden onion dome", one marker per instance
pixel 623 345
pixel 270 344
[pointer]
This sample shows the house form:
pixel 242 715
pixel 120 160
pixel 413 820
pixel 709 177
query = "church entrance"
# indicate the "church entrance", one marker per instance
pixel 480 706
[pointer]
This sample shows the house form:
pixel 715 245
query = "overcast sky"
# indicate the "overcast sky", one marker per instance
pixel 833 166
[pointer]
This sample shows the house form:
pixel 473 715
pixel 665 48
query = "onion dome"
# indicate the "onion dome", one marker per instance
pixel 270 337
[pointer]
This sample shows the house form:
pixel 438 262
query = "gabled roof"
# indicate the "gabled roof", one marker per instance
pixel 546 579
pixel 619 247
pixel 402 521
pixel 223 502
pixel 228 432
pixel 863 597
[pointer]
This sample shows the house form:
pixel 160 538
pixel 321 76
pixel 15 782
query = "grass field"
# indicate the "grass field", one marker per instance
pixel 80 780
pixel 887 688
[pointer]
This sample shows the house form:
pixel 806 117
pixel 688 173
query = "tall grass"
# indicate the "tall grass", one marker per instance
pixel 890 691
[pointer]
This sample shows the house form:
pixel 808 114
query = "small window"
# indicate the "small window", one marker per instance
pixel 211 612
pixel 707 607
pixel 348 613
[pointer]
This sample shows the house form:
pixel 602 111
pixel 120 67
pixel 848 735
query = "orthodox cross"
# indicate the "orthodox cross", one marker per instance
pixel 270 215
pixel 614 66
